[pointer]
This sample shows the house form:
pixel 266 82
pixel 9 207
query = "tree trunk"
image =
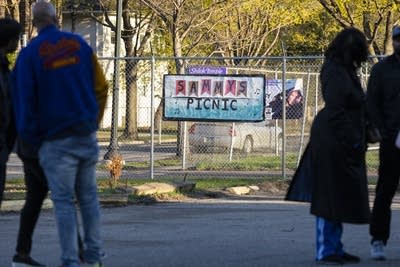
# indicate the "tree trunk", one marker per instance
pixel 131 119
pixel 3 5
pixel 59 9
pixel 131 70
pixel 26 20
pixel 177 47
pixel 387 45
pixel 158 116
pixel 12 9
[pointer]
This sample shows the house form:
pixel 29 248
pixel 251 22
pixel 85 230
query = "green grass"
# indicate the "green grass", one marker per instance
pixel 248 163
pixel 15 181
pixel 140 165
pixel 218 183
pixel 240 162
pixel 105 135
pixel 372 159
pixel 201 183
pixel 217 162
pixel 204 187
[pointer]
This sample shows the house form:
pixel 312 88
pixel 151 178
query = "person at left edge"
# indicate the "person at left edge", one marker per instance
pixel 10 30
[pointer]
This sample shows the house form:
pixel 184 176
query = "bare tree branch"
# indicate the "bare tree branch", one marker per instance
pixel 333 9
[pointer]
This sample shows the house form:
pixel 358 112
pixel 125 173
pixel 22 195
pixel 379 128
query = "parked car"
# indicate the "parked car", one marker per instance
pixel 247 137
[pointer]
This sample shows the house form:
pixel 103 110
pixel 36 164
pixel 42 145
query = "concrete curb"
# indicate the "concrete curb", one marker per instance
pixel 17 205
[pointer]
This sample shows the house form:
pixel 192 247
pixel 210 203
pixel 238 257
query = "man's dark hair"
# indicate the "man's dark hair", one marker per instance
pixel 9 29
pixel 349 47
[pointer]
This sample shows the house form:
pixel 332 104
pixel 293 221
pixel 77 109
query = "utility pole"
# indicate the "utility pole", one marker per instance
pixel 113 147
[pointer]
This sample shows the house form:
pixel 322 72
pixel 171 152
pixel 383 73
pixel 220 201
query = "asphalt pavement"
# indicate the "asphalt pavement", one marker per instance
pixel 210 232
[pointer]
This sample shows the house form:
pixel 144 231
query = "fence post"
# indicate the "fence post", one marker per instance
pixel 184 144
pixel 316 95
pixel 284 112
pixel 303 123
pixel 152 119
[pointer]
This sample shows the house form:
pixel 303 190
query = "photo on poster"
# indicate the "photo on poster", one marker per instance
pixel 274 99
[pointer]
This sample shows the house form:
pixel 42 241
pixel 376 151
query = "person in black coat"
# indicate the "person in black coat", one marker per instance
pixel 332 173
pixel 383 103
pixel 36 192
pixel 35 180
pixel 9 36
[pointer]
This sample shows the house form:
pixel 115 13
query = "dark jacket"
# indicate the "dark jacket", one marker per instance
pixel 335 158
pixel 383 96
pixel 57 71
pixel 7 125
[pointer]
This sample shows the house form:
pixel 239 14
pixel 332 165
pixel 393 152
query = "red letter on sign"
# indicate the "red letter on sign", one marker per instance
pixel 230 87
pixel 206 87
pixel 180 87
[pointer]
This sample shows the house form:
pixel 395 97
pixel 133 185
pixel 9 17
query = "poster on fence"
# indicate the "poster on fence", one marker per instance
pixel 274 99
pixel 214 97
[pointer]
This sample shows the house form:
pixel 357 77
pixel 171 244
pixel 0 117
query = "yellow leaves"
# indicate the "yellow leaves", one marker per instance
pixel 374 17
pixel 277 12
pixel 342 5
pixel 355 9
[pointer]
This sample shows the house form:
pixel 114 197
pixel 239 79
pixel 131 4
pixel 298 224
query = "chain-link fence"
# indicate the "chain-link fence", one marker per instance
pixel 153 147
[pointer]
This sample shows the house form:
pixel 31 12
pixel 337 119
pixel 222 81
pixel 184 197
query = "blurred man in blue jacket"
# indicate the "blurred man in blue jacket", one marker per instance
pixel 59 97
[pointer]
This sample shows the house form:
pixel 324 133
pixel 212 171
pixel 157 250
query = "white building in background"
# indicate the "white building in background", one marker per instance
pixel 102 41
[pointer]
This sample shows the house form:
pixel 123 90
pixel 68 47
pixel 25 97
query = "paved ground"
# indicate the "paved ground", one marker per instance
pixel 236 233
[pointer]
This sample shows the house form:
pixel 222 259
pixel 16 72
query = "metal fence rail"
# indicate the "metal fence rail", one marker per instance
pixel 152 147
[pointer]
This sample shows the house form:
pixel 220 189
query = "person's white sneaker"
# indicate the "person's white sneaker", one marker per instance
pixel 377 250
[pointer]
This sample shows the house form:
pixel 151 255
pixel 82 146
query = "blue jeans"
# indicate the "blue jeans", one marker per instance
pixel 69 165
pixel 329 236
